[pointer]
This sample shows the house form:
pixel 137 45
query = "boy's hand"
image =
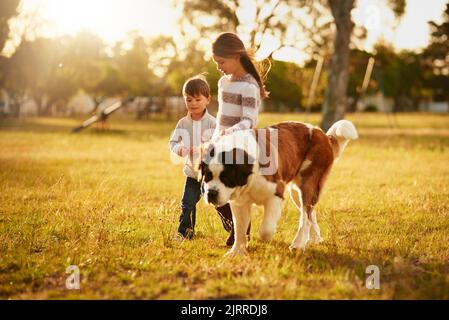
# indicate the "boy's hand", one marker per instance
pixel 189 151
pixel 185 151
pixel 195 151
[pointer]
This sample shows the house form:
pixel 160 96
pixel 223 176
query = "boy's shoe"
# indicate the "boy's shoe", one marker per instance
pixel 227 224
pixel 188 234
pixel 230 240
pixel 179 237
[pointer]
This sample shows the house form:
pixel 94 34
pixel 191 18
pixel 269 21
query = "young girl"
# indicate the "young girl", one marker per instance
pixel 240 92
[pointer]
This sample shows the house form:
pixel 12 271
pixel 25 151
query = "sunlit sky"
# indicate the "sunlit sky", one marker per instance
pixel 112 20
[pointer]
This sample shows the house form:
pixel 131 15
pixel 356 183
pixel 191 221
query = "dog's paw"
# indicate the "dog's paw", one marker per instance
pixel 234 252
pixel 316 240
pixel 297 247
pixel 266 235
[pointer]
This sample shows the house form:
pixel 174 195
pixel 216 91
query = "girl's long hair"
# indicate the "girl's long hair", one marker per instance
pixel 228 45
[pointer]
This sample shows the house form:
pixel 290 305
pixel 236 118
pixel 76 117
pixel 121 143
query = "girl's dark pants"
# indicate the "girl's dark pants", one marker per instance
pixel 225 213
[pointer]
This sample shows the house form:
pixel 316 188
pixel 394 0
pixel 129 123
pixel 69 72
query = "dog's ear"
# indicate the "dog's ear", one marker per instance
pixel 207 152
pixel 200 170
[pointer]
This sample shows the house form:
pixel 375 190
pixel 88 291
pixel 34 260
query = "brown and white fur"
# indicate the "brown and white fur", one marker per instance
pixel 303 157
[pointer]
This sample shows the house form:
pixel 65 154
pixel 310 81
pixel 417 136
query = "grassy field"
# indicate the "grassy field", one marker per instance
pixel 108 202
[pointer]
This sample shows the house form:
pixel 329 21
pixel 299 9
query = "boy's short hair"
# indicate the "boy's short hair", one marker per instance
pixel 195 86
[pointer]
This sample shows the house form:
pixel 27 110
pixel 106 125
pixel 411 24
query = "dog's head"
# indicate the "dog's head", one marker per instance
pixel 222 172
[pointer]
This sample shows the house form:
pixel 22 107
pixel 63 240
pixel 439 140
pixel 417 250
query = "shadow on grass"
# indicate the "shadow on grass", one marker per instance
pixel 405 277
pixel 408 277
pixel 107 133
pixel 32 125
pixel 127 129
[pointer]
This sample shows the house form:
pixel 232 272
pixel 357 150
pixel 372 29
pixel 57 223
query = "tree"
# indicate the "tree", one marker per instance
pixel 112 81
pixel 267 18
pixel 399 76
pixel 35 71
pixel 436 58
pixel 335 98
pixel 225 12
pixel 8 9
pixel 284 85
pixel 133 65
pixel 357 67
pixel 51 71
pixel 191 63
pixel 335 103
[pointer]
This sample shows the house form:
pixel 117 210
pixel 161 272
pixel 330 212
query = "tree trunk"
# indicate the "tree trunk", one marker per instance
pixel 41 108
pixel 334 106
pixel 49 107
pixel 8 9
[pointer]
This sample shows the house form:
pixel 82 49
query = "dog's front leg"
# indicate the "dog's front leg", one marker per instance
pixel 241 216
pixel 272 213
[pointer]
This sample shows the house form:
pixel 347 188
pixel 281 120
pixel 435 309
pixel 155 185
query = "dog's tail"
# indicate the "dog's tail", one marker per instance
pixel 339 134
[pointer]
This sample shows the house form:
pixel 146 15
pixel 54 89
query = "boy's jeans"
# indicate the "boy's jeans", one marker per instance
pixel 191 196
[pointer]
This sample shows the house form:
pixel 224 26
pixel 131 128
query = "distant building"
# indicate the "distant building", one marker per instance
pixel 28 107
pixel 80 104
pixel 375 102
pixel 5 103
pixel 432 106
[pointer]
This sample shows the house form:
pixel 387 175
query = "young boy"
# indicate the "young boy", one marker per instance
pixel 191 131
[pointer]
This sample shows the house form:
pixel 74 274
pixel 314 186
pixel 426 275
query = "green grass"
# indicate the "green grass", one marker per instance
pixel 108 202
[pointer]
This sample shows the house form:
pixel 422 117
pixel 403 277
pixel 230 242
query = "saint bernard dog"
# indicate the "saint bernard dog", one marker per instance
pixel 256 166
